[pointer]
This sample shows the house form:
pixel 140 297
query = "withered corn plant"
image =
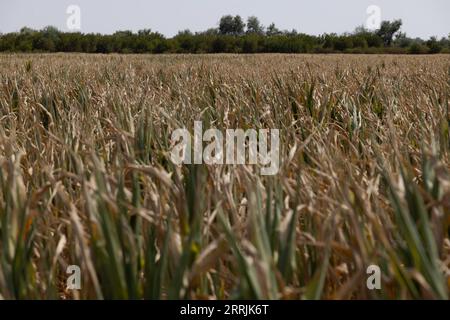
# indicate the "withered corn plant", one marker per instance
pixel 86 177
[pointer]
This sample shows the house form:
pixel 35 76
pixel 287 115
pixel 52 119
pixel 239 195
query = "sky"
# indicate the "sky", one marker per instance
pixel 421 18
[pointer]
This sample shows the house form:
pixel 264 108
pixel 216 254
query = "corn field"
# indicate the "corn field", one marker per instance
pixel 86 177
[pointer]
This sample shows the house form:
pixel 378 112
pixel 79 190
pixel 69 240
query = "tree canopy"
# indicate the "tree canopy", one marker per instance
pixel 254 26
pixel 230 25
pixel 388 29
pixel 231 36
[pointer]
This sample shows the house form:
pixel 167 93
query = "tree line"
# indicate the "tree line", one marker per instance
pixel 232 35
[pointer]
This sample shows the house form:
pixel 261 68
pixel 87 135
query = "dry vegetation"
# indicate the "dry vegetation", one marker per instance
pixel 86 177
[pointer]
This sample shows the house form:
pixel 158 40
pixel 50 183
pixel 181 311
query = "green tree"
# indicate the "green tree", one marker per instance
pixel 230 25
pixel 417 48
pixel 272 30
pixel 238 25
pixel 250 44
pixel 402 41
pixel 226 25
pixel 254 26
pixel 434 45
pixel 185 41
pixel 388 30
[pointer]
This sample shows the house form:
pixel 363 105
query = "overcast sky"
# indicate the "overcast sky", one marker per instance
pixel 421 18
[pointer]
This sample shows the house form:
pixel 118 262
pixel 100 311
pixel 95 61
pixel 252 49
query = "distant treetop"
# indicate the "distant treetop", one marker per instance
pixel 233 35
